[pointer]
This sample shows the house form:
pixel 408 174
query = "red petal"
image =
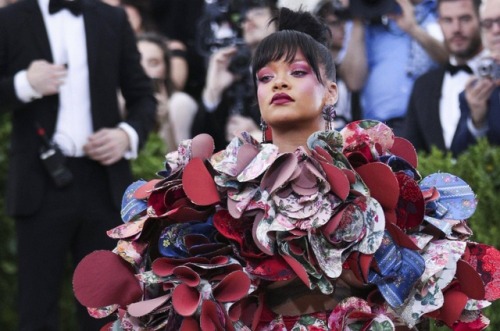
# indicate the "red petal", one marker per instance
pixel 298 268
pixel 401 238
pixel 185 300
pixel 189 324
pixel 233 287
pixel 454 304
pixel 337 179
pixel 199 184
pixel 103 278
pixel 209 319
pixel 470 281
pixel 187 276
pixel 403 148
pixel 382 183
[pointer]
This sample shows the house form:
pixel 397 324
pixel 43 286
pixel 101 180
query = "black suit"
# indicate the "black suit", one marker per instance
pixel 113 63
pixel 422 122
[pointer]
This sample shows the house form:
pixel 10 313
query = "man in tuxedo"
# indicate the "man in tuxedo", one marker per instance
pixel 433 110
pixel 61 65
pixel 480 102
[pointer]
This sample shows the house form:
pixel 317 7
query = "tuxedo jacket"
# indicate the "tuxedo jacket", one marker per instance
pixel 422 123
pixel 113 63
pixel 464 137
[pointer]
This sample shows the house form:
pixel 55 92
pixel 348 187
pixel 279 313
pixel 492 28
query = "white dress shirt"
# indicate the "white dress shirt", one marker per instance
pixel 449 107
pixel 66 34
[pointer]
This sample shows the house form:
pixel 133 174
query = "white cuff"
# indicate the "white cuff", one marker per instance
pixel 209 106
pixel 24 91
pixel 133 138
pixel 477 133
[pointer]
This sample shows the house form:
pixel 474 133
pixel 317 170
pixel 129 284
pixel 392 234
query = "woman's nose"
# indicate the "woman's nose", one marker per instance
pixel 280 84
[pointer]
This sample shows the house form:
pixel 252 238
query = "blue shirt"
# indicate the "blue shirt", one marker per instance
pixel 395 60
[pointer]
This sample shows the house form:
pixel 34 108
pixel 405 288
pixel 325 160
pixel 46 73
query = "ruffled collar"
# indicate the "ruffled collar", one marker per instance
pixel 200 245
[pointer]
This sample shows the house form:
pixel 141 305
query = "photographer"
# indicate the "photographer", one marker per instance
pixel 480 102
pixel 386 52
pixel 228 98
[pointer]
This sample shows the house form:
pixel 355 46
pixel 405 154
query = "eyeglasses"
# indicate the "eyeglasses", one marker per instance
pixel 488 23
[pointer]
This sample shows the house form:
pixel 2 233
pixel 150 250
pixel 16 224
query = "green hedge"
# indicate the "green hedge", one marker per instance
pixel 479 167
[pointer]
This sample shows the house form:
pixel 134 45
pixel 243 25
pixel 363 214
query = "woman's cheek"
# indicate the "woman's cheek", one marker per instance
pixel 261 95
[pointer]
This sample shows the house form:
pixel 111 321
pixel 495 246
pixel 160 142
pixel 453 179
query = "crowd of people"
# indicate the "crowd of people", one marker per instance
pixel 87 81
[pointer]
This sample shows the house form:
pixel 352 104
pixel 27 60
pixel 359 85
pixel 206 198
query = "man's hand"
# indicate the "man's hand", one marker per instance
pixel 218 75
pixel 107 146
pixel 46 78
pixel 406 20
pixel 477 93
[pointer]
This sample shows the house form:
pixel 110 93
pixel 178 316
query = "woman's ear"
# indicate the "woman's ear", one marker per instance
pixel 333 93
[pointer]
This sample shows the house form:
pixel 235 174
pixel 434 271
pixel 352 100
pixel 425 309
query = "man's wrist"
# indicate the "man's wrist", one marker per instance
pixel 24 91
pixel 477 132
pixel 210 99
pixel 133 139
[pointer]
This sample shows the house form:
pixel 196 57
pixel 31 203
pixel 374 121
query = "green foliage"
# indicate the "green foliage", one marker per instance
pixel 479 167
pixel 151 159
pixel 8 266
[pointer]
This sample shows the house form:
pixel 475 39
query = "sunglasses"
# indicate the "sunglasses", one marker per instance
pixel 488 23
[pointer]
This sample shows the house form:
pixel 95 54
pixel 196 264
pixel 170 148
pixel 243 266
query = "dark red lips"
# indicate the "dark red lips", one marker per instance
pixel 281 98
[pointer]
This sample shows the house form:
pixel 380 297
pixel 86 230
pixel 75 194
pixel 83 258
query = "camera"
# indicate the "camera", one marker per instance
pixel 240 62
pixel 489 68
pixel 373 10
pixel 53 161
pixel 218 28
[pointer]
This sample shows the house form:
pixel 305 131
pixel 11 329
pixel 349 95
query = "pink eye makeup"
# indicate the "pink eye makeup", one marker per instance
pixel 300 66
pixel 264 74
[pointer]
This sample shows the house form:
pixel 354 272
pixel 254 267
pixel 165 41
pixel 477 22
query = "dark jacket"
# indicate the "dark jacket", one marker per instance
pixel 113 62
pixel 422 123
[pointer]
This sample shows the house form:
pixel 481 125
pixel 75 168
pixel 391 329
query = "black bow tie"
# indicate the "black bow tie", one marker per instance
pixel 452 69
pixel 75 6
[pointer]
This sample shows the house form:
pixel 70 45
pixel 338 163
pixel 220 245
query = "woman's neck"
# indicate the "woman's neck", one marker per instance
pixel 289 140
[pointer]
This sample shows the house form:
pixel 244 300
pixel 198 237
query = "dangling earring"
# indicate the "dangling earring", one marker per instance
pixel 329 114
pixel 263 128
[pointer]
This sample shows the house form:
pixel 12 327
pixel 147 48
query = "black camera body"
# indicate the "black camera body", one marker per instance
pixel 54 162
pixel 489 68
pixel 373 10
pixel 240 62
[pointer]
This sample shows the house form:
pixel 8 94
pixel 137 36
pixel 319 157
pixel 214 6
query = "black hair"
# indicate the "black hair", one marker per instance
pixel 325 8
pixel 162 42
pixel 242 6
pixel 297 31
pixel 475 3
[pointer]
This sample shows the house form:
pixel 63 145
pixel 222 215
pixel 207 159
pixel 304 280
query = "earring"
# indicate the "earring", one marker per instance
pixel 263 128
pixel 329 114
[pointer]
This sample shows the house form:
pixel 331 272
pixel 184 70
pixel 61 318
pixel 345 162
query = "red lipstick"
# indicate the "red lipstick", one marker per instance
pixel 281 98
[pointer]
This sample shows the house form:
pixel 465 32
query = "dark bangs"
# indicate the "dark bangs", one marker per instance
pixel 285 45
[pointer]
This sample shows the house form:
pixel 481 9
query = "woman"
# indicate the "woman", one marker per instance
pixel 319 230
pixel 176 109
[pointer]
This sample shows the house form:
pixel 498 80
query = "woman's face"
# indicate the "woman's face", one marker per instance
pixel 290 95
pixel 152 59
